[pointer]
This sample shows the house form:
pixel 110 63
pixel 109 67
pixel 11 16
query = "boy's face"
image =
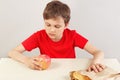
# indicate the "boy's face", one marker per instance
pixel 55 28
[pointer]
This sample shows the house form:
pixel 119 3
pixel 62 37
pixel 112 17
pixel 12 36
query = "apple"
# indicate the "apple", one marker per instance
pixel 44 61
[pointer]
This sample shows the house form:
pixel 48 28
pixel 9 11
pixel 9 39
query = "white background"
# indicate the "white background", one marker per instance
pixel 97 20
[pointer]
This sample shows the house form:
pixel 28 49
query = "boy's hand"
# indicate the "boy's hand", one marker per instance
pixel 33 63
pixel 96 67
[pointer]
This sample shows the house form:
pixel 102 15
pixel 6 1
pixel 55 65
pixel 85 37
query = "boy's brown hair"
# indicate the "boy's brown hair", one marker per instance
pixel 55 9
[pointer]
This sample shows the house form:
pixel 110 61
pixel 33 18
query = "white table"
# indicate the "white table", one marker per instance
pixel 59 69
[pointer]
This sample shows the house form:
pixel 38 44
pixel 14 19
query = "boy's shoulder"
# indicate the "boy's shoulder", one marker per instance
pixel 40 31
pixel 70 31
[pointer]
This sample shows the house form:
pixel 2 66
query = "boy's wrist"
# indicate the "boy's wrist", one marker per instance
pixel 25 60
pixel 96 61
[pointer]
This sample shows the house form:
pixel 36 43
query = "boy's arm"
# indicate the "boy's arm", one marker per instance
pixel 17 53
pixel 98 56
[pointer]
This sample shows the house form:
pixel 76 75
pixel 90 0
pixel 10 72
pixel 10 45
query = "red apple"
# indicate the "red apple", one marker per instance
pixel 44 61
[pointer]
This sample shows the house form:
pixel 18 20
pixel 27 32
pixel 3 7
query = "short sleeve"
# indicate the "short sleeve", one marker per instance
pixel 31 42
pixel 80 41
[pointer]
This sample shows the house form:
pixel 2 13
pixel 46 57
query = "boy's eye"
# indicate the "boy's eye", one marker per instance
pixel 57 26
pixel 48 25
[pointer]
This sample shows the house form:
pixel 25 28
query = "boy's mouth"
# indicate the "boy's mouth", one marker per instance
pixel 51 34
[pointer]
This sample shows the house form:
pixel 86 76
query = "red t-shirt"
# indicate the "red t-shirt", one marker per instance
pixel 65 48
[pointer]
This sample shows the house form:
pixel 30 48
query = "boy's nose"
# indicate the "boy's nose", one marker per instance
pixel 52 29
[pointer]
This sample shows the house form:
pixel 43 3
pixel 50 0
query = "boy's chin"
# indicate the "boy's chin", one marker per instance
pixel 53 38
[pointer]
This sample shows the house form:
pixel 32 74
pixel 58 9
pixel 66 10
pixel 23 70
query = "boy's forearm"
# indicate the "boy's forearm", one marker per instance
pixel 17 56
pixel 98 57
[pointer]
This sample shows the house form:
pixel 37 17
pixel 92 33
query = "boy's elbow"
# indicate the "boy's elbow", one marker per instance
pixel 10 53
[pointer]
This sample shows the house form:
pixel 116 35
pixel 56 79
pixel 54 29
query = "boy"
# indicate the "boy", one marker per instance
pixel 56 40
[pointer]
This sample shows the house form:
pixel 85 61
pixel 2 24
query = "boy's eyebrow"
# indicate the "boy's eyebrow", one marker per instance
pixel 49 23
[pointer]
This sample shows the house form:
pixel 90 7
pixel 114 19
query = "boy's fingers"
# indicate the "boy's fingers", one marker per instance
pixel 102 66
pixel 37 68
pixel 35 65
pixel 89 69
pixel 99 68
pixel 96 68
pixel 36 59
